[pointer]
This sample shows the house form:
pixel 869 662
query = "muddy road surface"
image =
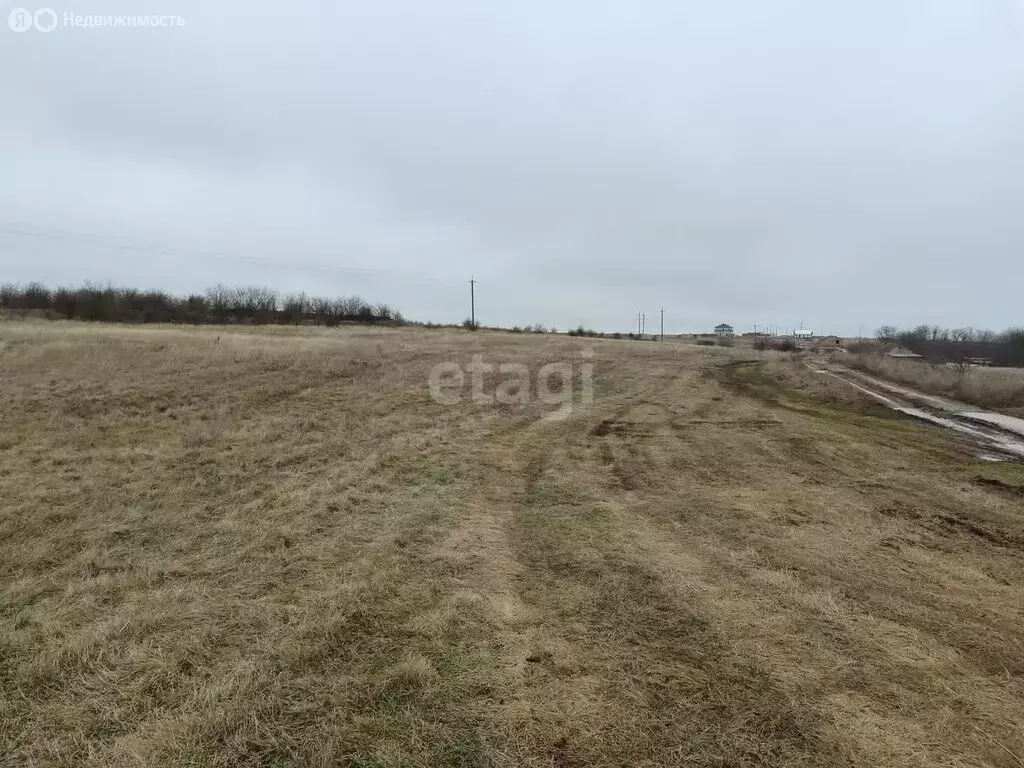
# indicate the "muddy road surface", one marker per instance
pixel 993 436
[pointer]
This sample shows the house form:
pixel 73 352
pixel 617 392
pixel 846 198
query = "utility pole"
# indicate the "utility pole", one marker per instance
pixel 472 301
pixel 662 323
pixel 643 324
pixel 639 327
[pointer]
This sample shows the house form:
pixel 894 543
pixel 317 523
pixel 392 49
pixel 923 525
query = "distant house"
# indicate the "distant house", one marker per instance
pixel 828 342
pixel 804 334
pixel 723 329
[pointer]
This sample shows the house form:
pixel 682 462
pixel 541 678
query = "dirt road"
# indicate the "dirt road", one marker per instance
pixel 996 436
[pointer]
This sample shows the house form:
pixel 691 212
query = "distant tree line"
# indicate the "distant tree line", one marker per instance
pixel 942 345
pixel 220 304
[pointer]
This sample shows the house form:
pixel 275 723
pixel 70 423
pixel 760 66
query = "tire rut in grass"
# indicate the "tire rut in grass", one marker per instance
pixel 622 667
pixel 666 687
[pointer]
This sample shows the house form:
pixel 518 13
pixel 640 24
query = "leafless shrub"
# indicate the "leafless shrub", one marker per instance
pixel 220 304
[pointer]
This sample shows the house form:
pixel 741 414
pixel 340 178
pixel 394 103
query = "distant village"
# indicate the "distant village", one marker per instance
pixel 806 339
pixel 802 338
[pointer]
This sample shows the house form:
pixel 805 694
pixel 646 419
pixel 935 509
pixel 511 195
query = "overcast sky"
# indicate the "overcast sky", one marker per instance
pixel 831 162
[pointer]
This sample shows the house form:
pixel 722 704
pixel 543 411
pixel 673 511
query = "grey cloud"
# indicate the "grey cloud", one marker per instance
pixel 836 163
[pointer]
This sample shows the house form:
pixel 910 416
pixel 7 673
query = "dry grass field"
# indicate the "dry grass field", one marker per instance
pixel 273 548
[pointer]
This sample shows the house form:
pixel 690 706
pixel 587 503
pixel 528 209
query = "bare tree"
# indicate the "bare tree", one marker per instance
pixel 295 307
pixel 8 295
pixel 887 333
pixel 219 300
pixel 322 309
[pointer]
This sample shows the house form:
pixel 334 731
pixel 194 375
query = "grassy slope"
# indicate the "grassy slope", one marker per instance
pixel 275 549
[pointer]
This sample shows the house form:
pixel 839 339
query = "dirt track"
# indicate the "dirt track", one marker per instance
pixel 996 436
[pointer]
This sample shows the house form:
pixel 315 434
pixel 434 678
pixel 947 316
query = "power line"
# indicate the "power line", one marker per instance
pixel 24 229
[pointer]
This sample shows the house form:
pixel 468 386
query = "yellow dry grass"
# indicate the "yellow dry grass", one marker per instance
pixel 271 547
